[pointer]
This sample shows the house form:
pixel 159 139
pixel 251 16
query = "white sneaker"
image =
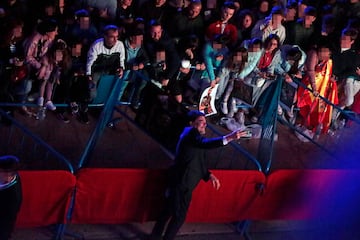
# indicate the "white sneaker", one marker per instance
pixel 49 105
pixel 40 101
pixel 224 108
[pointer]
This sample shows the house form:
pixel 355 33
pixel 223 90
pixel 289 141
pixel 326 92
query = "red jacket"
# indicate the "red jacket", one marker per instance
pixel 215 29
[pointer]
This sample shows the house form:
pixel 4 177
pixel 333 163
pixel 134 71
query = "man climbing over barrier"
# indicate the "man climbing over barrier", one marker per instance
pixel 189 168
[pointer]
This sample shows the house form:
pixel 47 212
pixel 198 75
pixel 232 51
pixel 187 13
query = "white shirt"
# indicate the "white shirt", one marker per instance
pixel 98 48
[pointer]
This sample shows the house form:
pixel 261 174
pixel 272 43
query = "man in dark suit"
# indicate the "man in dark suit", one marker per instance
pixel 10 195
pixel 189 168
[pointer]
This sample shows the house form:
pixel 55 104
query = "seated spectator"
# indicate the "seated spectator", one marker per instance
pixel 106 56
pixel 53 63
pixel 270 25
pixel 36 46
pixel 190 54
pixel 163 56
pixel 136 60
pixel 78 90
pixel 223 26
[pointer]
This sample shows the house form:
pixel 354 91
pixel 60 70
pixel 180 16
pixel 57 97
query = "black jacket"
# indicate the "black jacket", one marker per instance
pixel 190 160
pixel 345 64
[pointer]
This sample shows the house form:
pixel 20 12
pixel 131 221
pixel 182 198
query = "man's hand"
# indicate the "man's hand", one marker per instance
pixel 215 182
pixel 219 58
pixel 200 66
pixel 287 78
pixel 120 72
pixel 235 135
pixel 164 82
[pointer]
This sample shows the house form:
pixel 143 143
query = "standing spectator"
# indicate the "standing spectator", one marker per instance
pixel 11 52
pixel 189 168
pixel 187 22
pixel 10 195
pixel 108 7
pixel 302 33
pixel 223 26
pixel 190 54
pixel 153 10
pixel 315 113
pixel 346 67
pixel 270 25
pixel 215 54
pixel 244 22
pixel 106 56
pixel 83 28
pixel 125 14
pixel 262 9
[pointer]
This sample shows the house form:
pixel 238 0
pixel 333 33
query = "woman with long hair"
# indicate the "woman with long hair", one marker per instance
pixel 315 112
pixel 54 62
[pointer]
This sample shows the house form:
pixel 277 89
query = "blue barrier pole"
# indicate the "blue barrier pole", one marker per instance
pixel 104 118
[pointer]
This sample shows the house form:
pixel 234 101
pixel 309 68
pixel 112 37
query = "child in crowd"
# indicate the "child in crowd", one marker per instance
pixel 52 65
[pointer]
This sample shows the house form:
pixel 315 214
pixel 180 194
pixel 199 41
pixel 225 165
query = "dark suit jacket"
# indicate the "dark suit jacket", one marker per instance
pixel 345 63
pixel 190 160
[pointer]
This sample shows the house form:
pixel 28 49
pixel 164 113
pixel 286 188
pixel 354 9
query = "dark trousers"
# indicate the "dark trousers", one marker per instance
pixel 10 202
pixel 175 210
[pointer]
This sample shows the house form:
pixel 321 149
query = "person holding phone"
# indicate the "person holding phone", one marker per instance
pixel 270 25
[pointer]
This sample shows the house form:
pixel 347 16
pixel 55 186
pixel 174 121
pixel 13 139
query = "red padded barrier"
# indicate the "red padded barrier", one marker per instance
pixel 123 195
pixel 231 202
pixel 117 195
pixel 46 197
pixel 356 104
pixel 306 194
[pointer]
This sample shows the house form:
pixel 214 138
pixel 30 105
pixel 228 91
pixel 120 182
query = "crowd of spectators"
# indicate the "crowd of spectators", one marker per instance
pixel 56 52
